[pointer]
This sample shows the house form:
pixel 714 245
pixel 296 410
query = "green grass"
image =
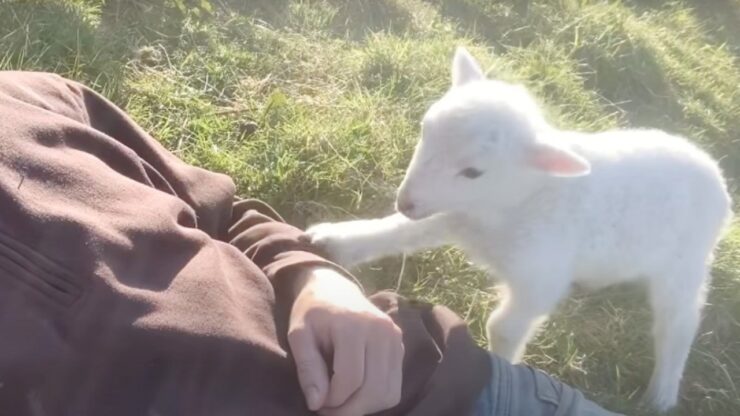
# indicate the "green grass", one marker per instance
pixel 336 89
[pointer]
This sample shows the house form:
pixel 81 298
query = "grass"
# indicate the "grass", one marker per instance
pixel 314 106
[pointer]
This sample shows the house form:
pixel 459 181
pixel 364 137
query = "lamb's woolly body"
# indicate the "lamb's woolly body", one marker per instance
pixel 651 199
pixel 647 206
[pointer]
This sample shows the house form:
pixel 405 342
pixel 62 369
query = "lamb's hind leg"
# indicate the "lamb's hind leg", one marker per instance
pixel 352 242
pixel 677 299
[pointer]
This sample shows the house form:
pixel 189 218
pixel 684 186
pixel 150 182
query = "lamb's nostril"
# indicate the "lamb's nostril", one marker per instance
pixel 404 206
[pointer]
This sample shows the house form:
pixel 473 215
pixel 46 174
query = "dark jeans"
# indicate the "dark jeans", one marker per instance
pixel 519 390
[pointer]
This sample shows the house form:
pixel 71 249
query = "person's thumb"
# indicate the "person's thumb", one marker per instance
pixel 311 366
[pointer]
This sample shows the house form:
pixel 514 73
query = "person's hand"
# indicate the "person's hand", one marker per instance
pixel 361 373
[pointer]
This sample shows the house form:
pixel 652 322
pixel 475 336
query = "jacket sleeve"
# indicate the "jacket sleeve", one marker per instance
pixel 278 248
pixel 250 225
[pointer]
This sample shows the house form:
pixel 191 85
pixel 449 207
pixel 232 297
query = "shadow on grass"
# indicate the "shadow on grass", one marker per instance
pixel 351 19
pixel 721 16
pixel 474 16
pixel 356 19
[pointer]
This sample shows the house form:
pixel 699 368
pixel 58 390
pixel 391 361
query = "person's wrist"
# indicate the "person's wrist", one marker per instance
pixel 323 279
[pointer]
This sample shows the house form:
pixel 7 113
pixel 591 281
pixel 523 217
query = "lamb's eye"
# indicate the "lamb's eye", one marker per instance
pixel 470 173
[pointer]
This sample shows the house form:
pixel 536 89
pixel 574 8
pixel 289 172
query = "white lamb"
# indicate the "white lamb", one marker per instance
pixel 546 209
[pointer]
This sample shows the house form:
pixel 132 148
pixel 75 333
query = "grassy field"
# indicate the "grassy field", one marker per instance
pixel 314 107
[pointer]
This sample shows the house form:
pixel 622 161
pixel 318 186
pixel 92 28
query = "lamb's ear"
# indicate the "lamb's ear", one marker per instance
pixel 556 160
pixel 465 68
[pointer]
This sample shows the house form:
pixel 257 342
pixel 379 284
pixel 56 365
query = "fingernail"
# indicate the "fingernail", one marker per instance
pixel 312 395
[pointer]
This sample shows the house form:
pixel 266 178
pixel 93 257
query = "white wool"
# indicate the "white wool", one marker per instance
pixel 551 209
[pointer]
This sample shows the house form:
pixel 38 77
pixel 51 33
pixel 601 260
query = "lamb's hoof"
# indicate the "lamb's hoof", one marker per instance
pixel 338 242
pixel 660 398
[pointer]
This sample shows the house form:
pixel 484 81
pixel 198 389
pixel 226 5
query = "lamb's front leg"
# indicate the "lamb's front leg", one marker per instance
pixel 525 305
pixel 353 242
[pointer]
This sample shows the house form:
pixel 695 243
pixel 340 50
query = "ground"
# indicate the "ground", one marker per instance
pixel 314 106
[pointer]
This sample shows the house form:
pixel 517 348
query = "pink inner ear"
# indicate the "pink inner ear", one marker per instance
pixel 558 161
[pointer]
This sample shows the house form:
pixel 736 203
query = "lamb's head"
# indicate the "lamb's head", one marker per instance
pixel 485 143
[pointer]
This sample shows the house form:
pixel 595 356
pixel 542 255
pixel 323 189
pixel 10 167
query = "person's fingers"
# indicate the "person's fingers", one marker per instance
pixel 366 399
pixel 395 375
pixel 381 387
pixel 313 375
pixel 349 363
